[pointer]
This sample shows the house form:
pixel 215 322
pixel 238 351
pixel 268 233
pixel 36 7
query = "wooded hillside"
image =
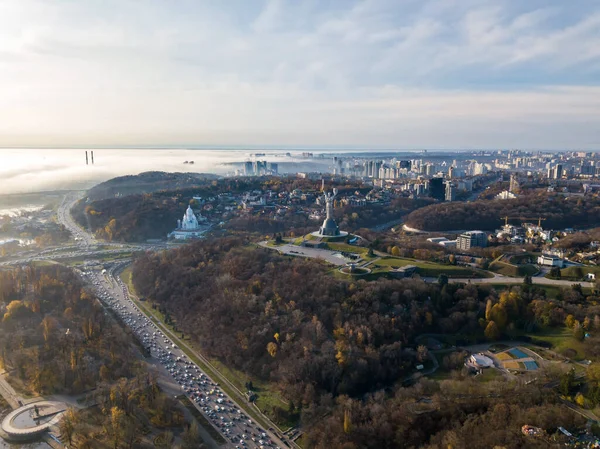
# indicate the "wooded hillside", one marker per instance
pixel 560 212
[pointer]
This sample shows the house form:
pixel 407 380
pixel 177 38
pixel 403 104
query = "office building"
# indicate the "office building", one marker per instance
pixel 471 239
pixel 450 194
pixel 436 189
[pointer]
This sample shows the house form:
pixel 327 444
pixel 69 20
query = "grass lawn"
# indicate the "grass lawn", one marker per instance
pixel 488 375
pixel 574 273
pixel 339 246
pixel 498 347
pixel 429 269
pixel 44 263
pixel 562 341
pixel 513 270
pixel 440 374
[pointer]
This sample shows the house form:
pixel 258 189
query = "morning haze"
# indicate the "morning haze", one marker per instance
pixel 353 224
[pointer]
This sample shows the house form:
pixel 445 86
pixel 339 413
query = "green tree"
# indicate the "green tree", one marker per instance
pixel 567 382
pixel 443 279
pixel 555 273
pixel 578 331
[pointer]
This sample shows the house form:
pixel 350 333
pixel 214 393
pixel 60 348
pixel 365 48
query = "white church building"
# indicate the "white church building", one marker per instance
pixel 189 227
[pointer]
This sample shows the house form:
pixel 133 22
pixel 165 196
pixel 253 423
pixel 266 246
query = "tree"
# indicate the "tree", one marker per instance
pixel 347 422
pixel 578 331
pixel 527 280
pixel 567 382
pixel 395 251
pixel 570 321
pixel 452 259
pixel 422 353
pixel 117 417
pixel 555 273
pixel 272 349
pixel 488 309
pixel 191 436
pixel 443 279
pixel 67 425
pixel 491 331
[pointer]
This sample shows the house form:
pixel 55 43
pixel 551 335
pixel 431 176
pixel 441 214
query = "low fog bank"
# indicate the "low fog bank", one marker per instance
pixel 42 170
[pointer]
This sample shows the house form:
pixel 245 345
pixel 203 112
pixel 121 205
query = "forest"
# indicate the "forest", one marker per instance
pixel 56 338
pixel 343 348
pixel 148 182
pixel 559 211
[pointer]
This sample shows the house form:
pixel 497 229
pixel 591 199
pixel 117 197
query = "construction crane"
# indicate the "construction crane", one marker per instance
pixel 509 218
pixel 539 219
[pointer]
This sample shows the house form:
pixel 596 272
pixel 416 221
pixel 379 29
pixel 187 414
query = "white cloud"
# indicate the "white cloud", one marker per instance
pixel 370 72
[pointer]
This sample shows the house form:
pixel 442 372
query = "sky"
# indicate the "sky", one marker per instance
pixel 406 74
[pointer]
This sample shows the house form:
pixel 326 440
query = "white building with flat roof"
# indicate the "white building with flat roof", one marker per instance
pixel 550 261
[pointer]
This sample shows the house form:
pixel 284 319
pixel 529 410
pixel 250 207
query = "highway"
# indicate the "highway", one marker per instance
pixel 238 429
pixel 227 416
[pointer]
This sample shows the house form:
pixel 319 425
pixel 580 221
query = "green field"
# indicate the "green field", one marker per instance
pixel 428 269
pixel 337 246
pixel 574 273
pixel 507 269
pixel 562 341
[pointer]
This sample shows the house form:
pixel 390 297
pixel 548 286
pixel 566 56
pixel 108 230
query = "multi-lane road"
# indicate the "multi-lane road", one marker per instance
pixel 237 428
pixel 227 416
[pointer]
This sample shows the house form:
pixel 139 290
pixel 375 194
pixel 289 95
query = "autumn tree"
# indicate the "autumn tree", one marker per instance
pixel 491 331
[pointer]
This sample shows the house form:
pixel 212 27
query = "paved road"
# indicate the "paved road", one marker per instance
pixel 177 371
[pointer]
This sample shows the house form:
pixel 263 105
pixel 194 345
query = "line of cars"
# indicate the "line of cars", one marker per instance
pixel 220 410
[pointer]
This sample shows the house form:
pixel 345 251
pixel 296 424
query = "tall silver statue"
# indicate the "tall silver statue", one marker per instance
pixel 329 199
pixel 330 227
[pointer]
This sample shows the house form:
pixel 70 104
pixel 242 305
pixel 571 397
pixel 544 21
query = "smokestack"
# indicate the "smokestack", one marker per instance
pixel 86 158
pixel 92 158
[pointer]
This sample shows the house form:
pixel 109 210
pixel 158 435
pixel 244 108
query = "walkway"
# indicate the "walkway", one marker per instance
pixel 497 279
pixel 333 257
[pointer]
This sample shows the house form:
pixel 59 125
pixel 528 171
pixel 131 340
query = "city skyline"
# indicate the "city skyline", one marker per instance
pixel 376 74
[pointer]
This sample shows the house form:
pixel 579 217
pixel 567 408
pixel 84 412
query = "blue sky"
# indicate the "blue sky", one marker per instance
pixel 323 73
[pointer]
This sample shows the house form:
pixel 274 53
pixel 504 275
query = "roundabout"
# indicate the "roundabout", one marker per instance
pixel 30 421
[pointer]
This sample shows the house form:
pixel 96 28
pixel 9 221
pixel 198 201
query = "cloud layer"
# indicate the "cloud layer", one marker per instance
pixel 387 73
